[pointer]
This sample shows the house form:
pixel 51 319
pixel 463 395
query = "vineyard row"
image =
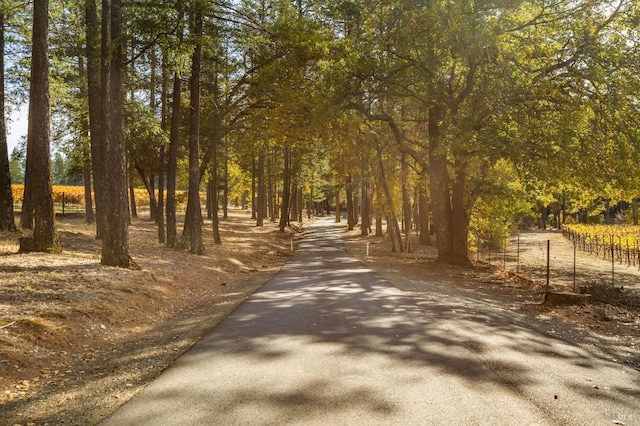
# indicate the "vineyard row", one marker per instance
pixel 609 242
pixel 74 195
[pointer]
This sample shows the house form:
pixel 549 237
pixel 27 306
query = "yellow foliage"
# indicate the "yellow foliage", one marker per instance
pixel 75 195
pixel 71 194
pixel 17 191
pixel 68 194
pixel 623 236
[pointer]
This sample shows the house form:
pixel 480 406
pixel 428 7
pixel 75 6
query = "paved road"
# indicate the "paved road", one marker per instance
pixel 329 342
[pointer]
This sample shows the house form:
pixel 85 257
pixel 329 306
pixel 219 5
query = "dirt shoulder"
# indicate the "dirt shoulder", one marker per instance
pixel 610 330
pixel 78 339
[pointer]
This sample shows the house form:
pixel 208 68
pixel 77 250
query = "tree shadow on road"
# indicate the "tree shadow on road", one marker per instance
pixel 325 305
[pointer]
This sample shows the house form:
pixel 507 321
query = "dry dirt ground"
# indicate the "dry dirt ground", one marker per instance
pixel 78 339
pixel 610 324
pixel 532 259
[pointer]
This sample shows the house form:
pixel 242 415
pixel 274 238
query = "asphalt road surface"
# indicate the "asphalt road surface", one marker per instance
pixel 329 342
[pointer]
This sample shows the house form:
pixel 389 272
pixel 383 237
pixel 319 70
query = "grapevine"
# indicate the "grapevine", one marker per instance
pixel 620 242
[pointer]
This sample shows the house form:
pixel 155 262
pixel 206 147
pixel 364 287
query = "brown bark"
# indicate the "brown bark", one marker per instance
pixel 294 202
pixel 459 218
pixel 439 185
pixel 406 197
pixel 271 200
pixel 300 204
pixel 356 206
pixel 44 232
pixel 392 218
pixel 351 221
pixel 253 189
pixel 26 216
pixel 162 157
pixel 286 191
pixel 193 220
pixel 147 182
pixel 423 211
pixel 378 212
pixel 262 193
pixel 364 225
pixel 225 187
pixel 93 92
pixel 172 158
pixel 213 185
pixel 7 219
pixel 89 216
pixel 115 238
pixel 133 206
pixel 161 182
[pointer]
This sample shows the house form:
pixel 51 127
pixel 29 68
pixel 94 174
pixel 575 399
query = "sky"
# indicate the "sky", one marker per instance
pixel 17 128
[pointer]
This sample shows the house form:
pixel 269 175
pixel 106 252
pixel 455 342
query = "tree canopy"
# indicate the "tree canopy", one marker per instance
pixel 453 118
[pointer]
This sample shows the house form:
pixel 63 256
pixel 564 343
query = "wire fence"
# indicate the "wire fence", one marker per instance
pixel 550 258
pixel 619 249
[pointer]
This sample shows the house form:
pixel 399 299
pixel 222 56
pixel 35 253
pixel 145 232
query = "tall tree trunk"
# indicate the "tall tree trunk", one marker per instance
pixel 300 204
pixel 153 64
pixel 310 203
pixel 115 238
pixel 45 237
pixel 351 222
pixel 225 187
pixel 7 219
pixel 364 225
pixel 459 217
pixel 147 182
pixel 162 157
pixel 89 216
pixel 392 218
pixel 161 182
pixel 423 201
pixel 132 194
pixel 286 190
pixel 153 205
pixel 356 206
pixel 439 186
pixel 172 160
pixel 378 212
pixel 253 189
pixel 406 197
pixel 338 205
pixel 193 221
pixel 262 193
pixel 293 215
pixel 93 92
pixel 209 202
pixel 378 226
pixel 271 201
pixel 215 184
pixel 26 216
